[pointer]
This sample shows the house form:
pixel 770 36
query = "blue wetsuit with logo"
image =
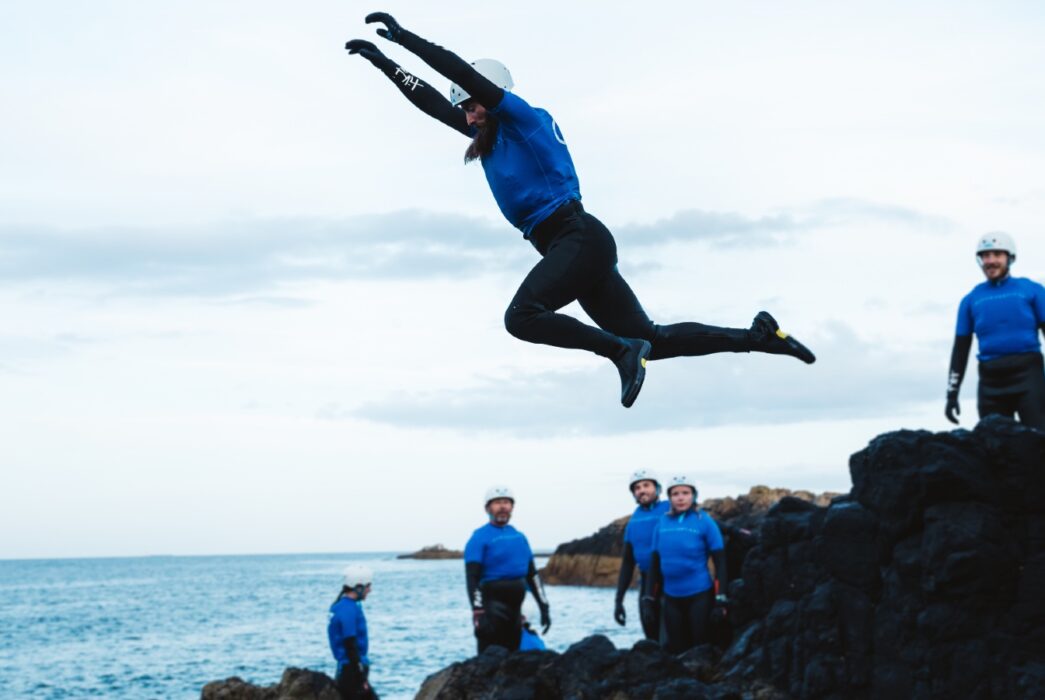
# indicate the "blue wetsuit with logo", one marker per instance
pixel 501 550
pixel 639 532
pixel 1006 317
pixel 535 185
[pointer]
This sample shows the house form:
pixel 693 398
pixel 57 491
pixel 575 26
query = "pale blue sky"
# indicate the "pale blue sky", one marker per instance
pixel 253 299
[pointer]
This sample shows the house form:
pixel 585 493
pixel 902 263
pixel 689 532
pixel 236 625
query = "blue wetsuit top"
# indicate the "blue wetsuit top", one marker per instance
pixel 684 543
pixel 502 551
pixel 529 170
pixel 347 620
pixel 639 531
pixel 1005 317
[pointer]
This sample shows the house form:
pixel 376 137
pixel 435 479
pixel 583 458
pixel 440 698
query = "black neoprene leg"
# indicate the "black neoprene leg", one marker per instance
pixel 612 304
pixel 573 264
pixel 1000 405
pixel 649 612
pixel 676 624
pixel 502 624
pixel 1031 406
pixel 699 609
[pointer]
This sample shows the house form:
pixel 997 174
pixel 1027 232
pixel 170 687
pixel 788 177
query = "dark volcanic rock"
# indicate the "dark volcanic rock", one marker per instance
pixel 928 581
pixel 592 669
pixel 296 684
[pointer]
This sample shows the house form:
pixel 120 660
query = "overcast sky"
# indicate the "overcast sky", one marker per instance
pixel 253 299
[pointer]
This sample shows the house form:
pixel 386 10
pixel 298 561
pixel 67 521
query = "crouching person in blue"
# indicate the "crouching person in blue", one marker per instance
pixel 683 540
pixel 499 567
pixel 348 637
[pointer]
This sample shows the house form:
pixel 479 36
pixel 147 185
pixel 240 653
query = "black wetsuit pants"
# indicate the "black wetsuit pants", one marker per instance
pixel 1014 385
pixel 649 610
pixel 501 623
pixel 351 686
pixel 686 620
pixel 579 263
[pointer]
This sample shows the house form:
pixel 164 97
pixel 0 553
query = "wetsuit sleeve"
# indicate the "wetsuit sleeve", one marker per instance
pixel 473 572
pixel 533 580
pixel 627 570
pixel 721 574
pixel 423 96
pixel 656 576
pixel 959 360
pixel 450 65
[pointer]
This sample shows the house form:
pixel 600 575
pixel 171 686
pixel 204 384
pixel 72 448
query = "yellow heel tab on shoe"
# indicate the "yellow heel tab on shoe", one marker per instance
pixel 643 361
pixel 781 334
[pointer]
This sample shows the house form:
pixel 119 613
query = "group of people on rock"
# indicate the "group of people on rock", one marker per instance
pixel 671 542
pixel 531 174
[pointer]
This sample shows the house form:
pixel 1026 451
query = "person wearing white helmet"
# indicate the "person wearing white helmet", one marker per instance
pixel 683 541
pixel 638 544
pixel 1005 313
pixel 530 171
pixel 347 634
pixel 499 567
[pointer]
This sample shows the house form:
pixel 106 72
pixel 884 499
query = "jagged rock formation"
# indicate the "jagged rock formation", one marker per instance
pixel 296 684
pixel 435 551
pixel 592 669
pixel 927 581
pixel 595 560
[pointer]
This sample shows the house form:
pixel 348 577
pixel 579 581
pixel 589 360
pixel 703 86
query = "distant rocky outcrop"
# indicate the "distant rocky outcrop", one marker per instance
pixel 435 551
pixel 296 684
pixel 595 560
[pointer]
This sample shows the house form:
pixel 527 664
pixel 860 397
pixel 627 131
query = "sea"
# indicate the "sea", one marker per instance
pixel 163 627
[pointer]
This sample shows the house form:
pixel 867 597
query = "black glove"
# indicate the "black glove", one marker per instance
pixel 720 611
pixel 393 31
pixel 952 410
pixel 618 612
pixel 365 49
pixel 546 619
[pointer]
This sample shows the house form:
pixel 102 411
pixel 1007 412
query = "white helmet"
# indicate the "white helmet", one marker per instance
pixel 498 492
pixel 996 240
pixel 356 575
pixel 643 474
pixel 492 70
pixel 682 480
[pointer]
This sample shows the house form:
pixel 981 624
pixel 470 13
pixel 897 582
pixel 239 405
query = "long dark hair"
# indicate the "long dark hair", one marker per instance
pixel 484 140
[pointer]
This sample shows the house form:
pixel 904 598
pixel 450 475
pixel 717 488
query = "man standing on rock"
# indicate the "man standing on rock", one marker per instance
pixel 347 634
pixel 638 542
pixel 499 567
pixel 1005 313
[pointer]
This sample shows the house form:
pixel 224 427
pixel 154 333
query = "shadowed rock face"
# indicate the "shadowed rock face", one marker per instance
pixel 927 581
pixel 595 560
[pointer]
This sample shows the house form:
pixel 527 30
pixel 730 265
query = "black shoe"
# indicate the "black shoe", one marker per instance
pixel 632 368
pixel 769 338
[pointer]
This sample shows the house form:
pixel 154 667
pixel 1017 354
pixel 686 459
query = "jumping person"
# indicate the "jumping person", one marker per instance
pixel 347 634
pixel 1005 313
pixel 682 542
pixel 638 543
pixel 533 180
pixel 499 567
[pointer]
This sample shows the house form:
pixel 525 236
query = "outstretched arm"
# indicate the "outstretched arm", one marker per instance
pixel 447 63
pixel 959 359
pixel 421 95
